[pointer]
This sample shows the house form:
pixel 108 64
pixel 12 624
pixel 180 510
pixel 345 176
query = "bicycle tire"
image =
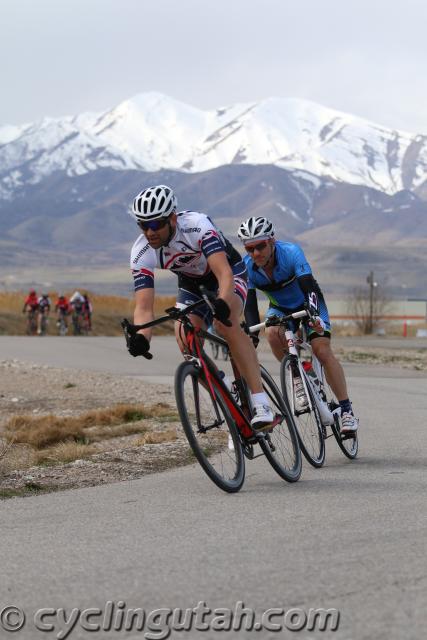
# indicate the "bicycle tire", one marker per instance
pixel 308 424
pixel 349 445
pixel 225 466
pixel 281 446
pixel 31 324
pixel 43 325
pixel 62 328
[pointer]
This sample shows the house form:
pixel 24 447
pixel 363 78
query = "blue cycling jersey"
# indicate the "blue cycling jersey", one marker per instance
pixel 282 289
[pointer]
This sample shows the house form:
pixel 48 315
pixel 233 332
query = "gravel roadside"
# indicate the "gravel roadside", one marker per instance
pixel 40 390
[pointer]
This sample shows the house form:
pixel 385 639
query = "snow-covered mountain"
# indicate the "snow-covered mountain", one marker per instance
pixel 151 132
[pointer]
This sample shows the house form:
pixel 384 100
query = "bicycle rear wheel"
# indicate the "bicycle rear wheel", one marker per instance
pixel 308 424
pixel 209 429
pixel 349 444
pixel 280 446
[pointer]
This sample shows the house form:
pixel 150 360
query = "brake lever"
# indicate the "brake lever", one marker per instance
pixel 272 321
pixel 174 313
pixel 128 330
pixel 210 298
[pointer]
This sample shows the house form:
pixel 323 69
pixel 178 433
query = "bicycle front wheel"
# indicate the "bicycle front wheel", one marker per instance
pixel 308 423
pixel 62 328
pixel 280 445
pixel 209 428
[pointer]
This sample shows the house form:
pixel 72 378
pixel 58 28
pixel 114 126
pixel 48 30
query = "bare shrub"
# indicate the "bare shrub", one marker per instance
pixel 369 310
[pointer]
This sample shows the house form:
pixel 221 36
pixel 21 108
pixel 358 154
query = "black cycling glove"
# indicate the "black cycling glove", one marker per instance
pixel 138 345
pixel 221 311
pixel 218 306
pixel 255 339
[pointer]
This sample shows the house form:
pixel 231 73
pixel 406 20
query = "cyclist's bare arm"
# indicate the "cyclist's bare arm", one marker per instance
pixel 219 264
pixel 144 309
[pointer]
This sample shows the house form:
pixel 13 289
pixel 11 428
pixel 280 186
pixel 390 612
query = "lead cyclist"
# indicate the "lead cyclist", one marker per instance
pixel 190 245
pixel 281 271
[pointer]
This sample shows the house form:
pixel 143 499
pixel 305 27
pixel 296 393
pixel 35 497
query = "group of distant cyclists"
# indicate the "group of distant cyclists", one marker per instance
pixel 38 309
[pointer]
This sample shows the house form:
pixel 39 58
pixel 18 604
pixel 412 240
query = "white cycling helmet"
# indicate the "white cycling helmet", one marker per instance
pixel 154 202
pixel 255 229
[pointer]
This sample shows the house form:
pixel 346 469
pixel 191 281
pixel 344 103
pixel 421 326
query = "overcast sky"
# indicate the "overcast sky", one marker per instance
pixel 63 57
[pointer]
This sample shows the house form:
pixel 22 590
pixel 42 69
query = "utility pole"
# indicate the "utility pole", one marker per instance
pixel 372 284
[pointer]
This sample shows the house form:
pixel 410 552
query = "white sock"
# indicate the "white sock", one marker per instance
pixel 260 398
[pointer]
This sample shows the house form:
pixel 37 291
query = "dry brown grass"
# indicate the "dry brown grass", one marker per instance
pixel 156 437
pixel 107 314
pixel 96 434
pixel 35 440
pixel 4 448
pixel 64 452
pixel 18 457
pixel 44 431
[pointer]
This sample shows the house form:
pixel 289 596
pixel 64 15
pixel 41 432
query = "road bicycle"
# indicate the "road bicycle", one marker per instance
pixel 31 322
pixel 80 325
pixel 61 323
pixel 322 411
pixel 87 323
pixel 44 321
pixel 216 416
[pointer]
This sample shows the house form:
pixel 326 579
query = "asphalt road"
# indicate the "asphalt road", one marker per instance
pixel 350 536
pixel 110 355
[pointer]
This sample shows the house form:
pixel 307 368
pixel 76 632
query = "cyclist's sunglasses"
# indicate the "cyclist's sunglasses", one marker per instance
pixel 259 247
pixel 154 225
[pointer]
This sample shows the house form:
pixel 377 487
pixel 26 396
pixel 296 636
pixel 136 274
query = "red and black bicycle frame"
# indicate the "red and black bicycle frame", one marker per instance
pixel 215 384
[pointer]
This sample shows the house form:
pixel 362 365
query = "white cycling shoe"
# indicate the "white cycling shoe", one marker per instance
pixel 262 417
pixel 349 424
